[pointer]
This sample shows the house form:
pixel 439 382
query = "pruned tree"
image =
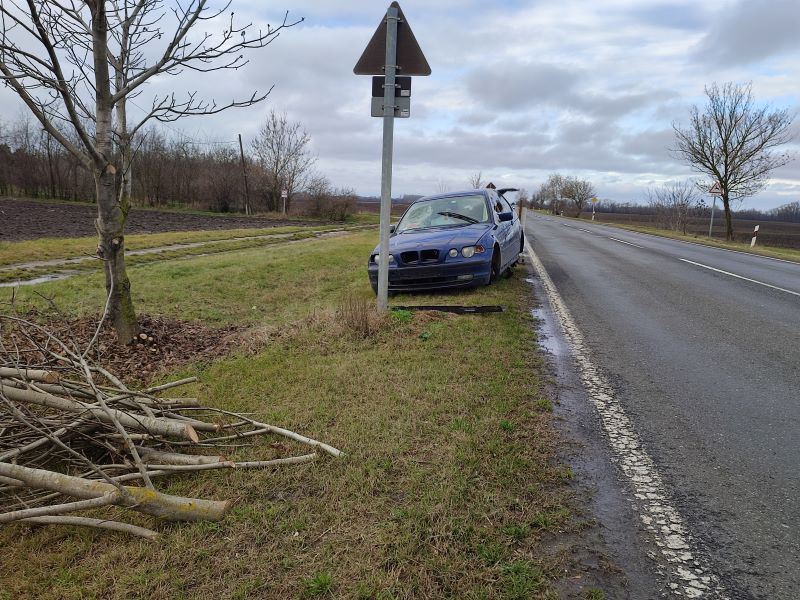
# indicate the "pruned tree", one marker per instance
pixel 475 181
pixel 282 149
pixel 733 141
pixel 76 64
pixel 579 191
pixel 442 187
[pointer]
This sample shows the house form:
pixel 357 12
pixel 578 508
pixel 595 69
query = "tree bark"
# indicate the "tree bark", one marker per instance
pixel 151 502
pixel 111 214
pixel 728 220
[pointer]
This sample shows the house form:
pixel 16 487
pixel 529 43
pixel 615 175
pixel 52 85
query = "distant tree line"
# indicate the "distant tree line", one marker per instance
pixel 169 169
pixel 562 194
pixel 789 213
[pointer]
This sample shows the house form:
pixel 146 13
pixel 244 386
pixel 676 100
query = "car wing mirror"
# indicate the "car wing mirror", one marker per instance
pixel 506 216
pixel 392 228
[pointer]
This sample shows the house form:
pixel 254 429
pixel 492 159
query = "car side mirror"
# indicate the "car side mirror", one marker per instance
pixel 506 216
pixel 391 228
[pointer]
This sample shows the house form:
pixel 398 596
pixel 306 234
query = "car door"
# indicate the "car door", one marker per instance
pixel 511 231
pixel 502 228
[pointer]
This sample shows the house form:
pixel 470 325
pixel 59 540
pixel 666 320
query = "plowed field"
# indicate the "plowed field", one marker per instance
pixel 32 219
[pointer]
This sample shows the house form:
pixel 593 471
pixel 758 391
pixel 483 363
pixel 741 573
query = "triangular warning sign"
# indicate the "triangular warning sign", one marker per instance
pixel 716 189
pixel 410 59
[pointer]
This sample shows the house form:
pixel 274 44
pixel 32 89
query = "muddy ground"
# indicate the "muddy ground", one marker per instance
pixel 164 345
pixel 32 219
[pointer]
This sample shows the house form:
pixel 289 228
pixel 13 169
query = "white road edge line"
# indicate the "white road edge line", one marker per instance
pixel 774 287
pixel 624 242
pixel 689 576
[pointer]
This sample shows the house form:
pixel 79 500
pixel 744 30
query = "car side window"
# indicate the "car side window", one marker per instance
pixel 498 207
pixel 506 205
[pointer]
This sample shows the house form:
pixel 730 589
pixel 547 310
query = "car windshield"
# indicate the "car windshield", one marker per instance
pixel 445 212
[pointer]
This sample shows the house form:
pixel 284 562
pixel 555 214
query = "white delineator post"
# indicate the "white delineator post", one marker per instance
pixel 755 235
pixel 386 165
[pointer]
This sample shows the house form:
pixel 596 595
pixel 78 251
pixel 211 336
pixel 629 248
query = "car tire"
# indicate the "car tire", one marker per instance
pixel 496 258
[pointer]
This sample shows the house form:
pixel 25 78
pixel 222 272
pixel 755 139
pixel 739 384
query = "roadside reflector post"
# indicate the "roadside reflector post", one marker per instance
pixel 755 235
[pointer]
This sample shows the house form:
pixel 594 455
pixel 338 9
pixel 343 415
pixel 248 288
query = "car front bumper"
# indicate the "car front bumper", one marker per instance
pixel 430 277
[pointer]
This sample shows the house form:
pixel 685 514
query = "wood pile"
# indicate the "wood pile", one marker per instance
pixel 74 437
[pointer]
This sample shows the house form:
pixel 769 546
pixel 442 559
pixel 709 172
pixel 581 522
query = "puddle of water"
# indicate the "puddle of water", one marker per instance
pixel 549 340
pixel 36 280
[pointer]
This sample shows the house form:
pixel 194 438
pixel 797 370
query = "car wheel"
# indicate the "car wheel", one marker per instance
pixel 495 264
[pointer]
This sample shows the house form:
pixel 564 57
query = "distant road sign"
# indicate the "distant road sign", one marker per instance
pixel 595 200
pixel 410 59
pixel 402 86
pixel 716 189
pixel 284 193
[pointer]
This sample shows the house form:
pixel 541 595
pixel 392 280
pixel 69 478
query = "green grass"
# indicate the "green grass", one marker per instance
pixel 435 498
pixel 56 248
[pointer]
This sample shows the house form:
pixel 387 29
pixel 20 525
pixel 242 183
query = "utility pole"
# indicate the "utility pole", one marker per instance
pixel 244 174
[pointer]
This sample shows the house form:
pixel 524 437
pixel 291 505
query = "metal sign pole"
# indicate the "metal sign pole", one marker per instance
pixel 388 142
pixel 711 225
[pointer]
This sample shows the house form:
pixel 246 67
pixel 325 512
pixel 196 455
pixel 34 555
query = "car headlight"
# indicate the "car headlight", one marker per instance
pixel 377 259
pixel 470 251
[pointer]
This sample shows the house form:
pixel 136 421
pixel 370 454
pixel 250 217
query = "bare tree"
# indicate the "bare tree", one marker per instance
pixel 551 192
pixel 74 63
pixel 442 187
pixel 787 212
pixel 733 141
pixel 281 148
pixel 475 181
pixel 673 203
pixel 579 191
pixel 522 198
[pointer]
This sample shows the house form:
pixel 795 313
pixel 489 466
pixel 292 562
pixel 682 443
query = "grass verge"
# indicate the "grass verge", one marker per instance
pixel 449 488
pixel 12 253
pixel 770 251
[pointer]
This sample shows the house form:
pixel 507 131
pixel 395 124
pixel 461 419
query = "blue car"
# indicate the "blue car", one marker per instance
pixel 454 240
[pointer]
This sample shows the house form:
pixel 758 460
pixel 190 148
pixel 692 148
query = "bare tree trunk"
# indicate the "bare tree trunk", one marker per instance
pixel 728 219
pixel 111 214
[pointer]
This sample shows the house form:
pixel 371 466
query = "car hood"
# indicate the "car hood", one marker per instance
pixel 444 237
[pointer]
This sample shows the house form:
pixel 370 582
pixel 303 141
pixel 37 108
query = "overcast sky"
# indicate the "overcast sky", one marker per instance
pixel 519 88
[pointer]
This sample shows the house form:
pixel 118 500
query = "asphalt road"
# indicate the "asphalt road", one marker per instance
pixel 703 349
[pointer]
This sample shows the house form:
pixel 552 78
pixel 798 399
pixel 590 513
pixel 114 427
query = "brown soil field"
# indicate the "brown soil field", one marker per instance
pixel 771 233
pixel 32 219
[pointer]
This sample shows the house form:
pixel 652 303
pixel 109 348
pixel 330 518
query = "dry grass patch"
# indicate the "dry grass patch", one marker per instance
pixel 448 472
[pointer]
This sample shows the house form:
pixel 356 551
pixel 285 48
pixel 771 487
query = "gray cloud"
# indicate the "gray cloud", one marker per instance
pixel 751 30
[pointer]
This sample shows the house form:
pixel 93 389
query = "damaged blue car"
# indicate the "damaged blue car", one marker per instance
pixel 453 240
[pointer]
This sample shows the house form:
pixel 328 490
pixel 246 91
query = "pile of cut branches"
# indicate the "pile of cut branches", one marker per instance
pixel 74 437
